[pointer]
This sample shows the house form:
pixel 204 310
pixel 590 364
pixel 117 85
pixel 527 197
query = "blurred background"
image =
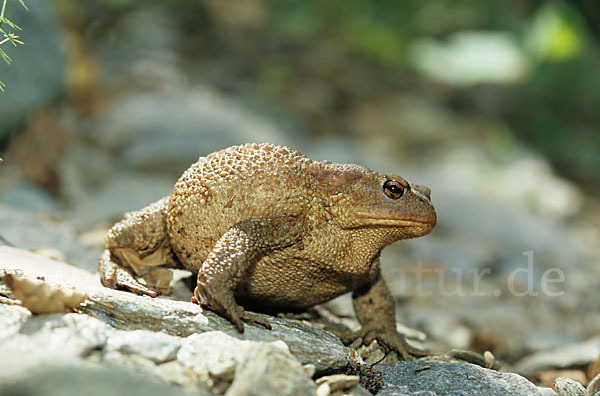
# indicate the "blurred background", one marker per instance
pixel 494 105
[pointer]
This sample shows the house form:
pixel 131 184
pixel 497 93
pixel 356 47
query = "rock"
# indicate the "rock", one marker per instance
pixel 269 369
pixel 200 121
pixel 49 340
pixel 546 391
pixel 122 192
pixel 487 360
pixel 593 369
pixel 358 391
pixel 572 355
pixel 27 196
pixel 568 387
pixel 594 385
pixel 174 372
pixel 90 380
pixel 243 367
pixel 12 318
pixel 197 352
pixel 21 262
pixel 35 78
pixel 30 342
pixel 451 379
pixel 127 311
pixel 27 230
pixel 547 378
pixel 124 361
pixel 158 347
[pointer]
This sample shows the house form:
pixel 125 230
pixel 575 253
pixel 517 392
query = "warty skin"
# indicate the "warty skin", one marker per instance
pixel 266 225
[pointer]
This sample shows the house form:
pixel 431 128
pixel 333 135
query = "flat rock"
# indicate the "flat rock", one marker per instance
pixel 418 378
pixel 201 121
pixel 90 380
pixel 244 367
pixel 571 355
pixel 155 346
pixel 49 340
pixel 123 192
pixel 270 370
pixel 127 311
pixel 22 262
pixel 217 352
pixel 12 318
pixel 28 230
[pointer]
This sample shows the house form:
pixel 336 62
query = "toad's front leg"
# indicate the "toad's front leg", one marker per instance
pixel 374 308
pixel 228 262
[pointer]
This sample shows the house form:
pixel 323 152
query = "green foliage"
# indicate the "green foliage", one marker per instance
pixel 549 100
pixel 8 36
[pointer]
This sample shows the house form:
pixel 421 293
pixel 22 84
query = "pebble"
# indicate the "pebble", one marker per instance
pixel 568 387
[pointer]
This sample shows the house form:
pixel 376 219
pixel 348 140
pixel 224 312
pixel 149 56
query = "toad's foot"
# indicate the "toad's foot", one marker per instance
pixel 114 276
pixel 234 313
pixel 388 337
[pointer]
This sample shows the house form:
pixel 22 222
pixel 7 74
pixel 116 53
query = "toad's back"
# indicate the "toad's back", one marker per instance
pixel 232 185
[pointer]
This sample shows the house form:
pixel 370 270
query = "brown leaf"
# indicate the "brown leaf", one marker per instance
pixel 40 296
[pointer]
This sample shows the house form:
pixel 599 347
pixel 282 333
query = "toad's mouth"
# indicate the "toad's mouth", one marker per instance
pixel 369 219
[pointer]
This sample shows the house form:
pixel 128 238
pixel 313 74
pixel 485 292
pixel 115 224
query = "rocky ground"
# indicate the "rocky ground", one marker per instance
pixel 503 292
pixel 116 340
pixel 62 332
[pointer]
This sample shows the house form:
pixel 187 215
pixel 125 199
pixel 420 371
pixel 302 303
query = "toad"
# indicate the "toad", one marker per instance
pixel 265 225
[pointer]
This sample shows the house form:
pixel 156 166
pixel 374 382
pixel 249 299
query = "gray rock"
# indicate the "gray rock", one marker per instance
pixel 18 261
pixel 174 372
pixel 130 362
pixel 12 318
pixel 572 355
pixel 243 367
pixel 131 312
pixel 594 385
pixel 35 78
pixel 47 340
pixel 215 349
pixel 200 121
pixel 417 378
pixel 158 347
pixel 568 387
pixel 90 380
pixel 28 230
pixel 26 196
pixel 270 370
pixel 121 193
pixel 358 391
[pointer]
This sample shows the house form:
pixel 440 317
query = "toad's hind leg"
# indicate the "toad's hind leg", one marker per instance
pixel 115 276
pixel 137 242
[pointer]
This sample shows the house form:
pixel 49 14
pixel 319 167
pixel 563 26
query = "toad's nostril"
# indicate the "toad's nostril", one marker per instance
pixel 423 190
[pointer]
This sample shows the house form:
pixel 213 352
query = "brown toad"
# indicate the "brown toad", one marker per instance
pixel 266 225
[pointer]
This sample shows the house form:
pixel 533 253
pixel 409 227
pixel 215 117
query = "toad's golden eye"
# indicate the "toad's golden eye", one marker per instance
pixel 393 189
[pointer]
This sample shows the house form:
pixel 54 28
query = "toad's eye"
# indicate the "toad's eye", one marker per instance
pixel 393 189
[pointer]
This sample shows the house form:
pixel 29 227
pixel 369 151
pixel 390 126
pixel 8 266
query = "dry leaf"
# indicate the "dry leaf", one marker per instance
pixel 42 297
pixel 159 279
